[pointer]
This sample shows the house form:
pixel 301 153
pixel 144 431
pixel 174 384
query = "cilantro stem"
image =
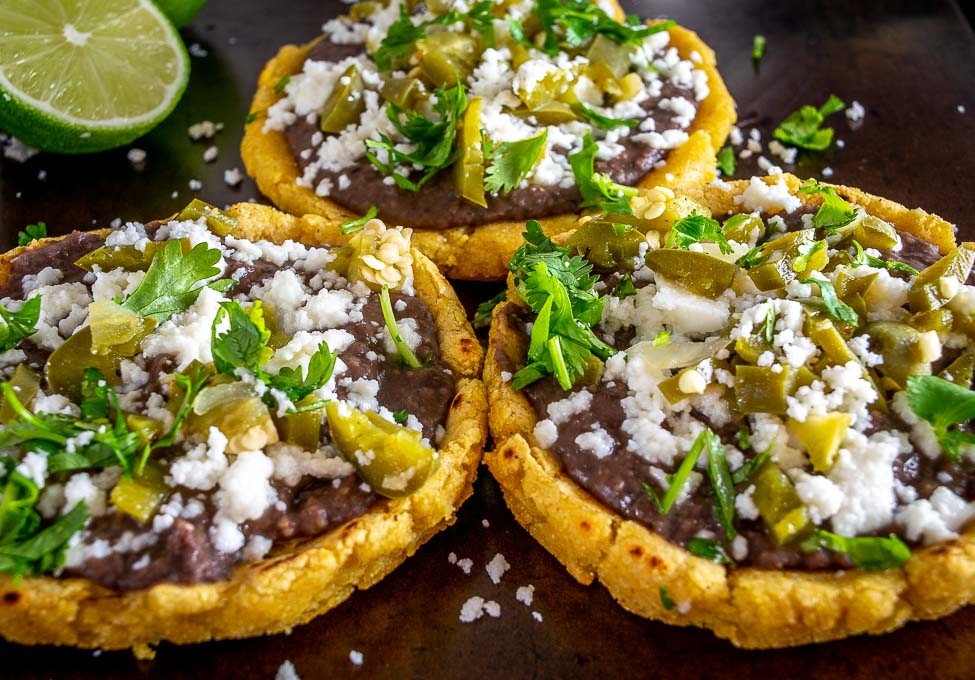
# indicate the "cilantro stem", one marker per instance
pixel 680 477
pixel 404 350
pixel 558 363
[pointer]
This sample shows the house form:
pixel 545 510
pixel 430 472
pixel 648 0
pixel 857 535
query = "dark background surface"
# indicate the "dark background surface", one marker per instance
pixel 910 64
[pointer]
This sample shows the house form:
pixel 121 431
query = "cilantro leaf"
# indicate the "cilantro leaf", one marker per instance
pixel 758 47
pixel 861 258
pixel 15 326
pixel 482 317
pixel 405 353
pixel 598 191
pixel 835 212
pixel 239 340
pixel 400 417
pixel 721 483
pixel 31 232
pixel 573 23
pixel 169 286
pixel 709 550
pixel 482 21
pixel 297 384
pixel 624 288
pixel 680 477
pixel 943 404
pixel 281 84
pixel 358 223
pixel 726 161
pixel 30 549
pixel 434 141
pixel 665 599
pixel 748 470
pixel 517 31
pixel 869 553
pixel 752 258
pixel 244 343
pixel 189 386
pixel 835 307
pixel 402 35
pixel 697 228
pixel 803 129
pixel 510 162
pixel 605 122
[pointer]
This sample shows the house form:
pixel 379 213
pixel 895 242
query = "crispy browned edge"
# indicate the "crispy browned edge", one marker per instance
pixel 297 581
pixel 751 607
pixel 475 252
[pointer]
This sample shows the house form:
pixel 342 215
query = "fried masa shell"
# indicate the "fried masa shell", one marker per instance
pixel 300 579
pixel 476 252
pixel 751 607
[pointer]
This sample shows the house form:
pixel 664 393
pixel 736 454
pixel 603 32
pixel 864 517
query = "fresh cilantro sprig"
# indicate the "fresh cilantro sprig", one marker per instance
pixel 31 232
pixel 605 122
pixel 559 289
pixel 170 284
pixel 510 162
pixel 401 37
pixel 803 129
pixel 25 547
pixel 239 340
pixel 102 427
pixel 433 141
pixel 709 550
pixel 862 258
pixel 943 405
pixel 726 161
pixel 352 226
pixel 835 212
pixel 869 553
pixel 482 317
pixel 696 228
pixel 573 23
pixel 835 307
pixel 599 192
pixel 405 353
pixel 679 478
pixel 16 326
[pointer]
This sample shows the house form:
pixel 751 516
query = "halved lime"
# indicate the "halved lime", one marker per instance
pixel 180 12
pixel 86 75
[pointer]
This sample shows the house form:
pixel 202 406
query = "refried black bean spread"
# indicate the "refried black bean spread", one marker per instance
pixel 641 112
pixel 248 467
pixel 841 459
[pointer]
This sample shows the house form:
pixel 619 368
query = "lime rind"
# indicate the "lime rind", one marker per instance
pixel 112 77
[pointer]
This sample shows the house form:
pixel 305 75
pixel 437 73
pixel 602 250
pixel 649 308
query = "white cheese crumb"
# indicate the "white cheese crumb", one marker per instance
pixel 136 156
pixel 855 112
pixel 233 177
pixel 210 154
pixel 195 185
pixel 496 568
pixel 286 671
pixel 355 657
pixel 525 594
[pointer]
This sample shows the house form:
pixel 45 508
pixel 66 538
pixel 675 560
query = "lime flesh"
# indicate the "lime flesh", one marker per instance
pixel 86 75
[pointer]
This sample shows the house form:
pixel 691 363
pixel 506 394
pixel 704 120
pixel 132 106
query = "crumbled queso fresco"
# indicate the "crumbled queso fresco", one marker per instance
pixel 886 472
pixel 502 85
pixel 229 485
